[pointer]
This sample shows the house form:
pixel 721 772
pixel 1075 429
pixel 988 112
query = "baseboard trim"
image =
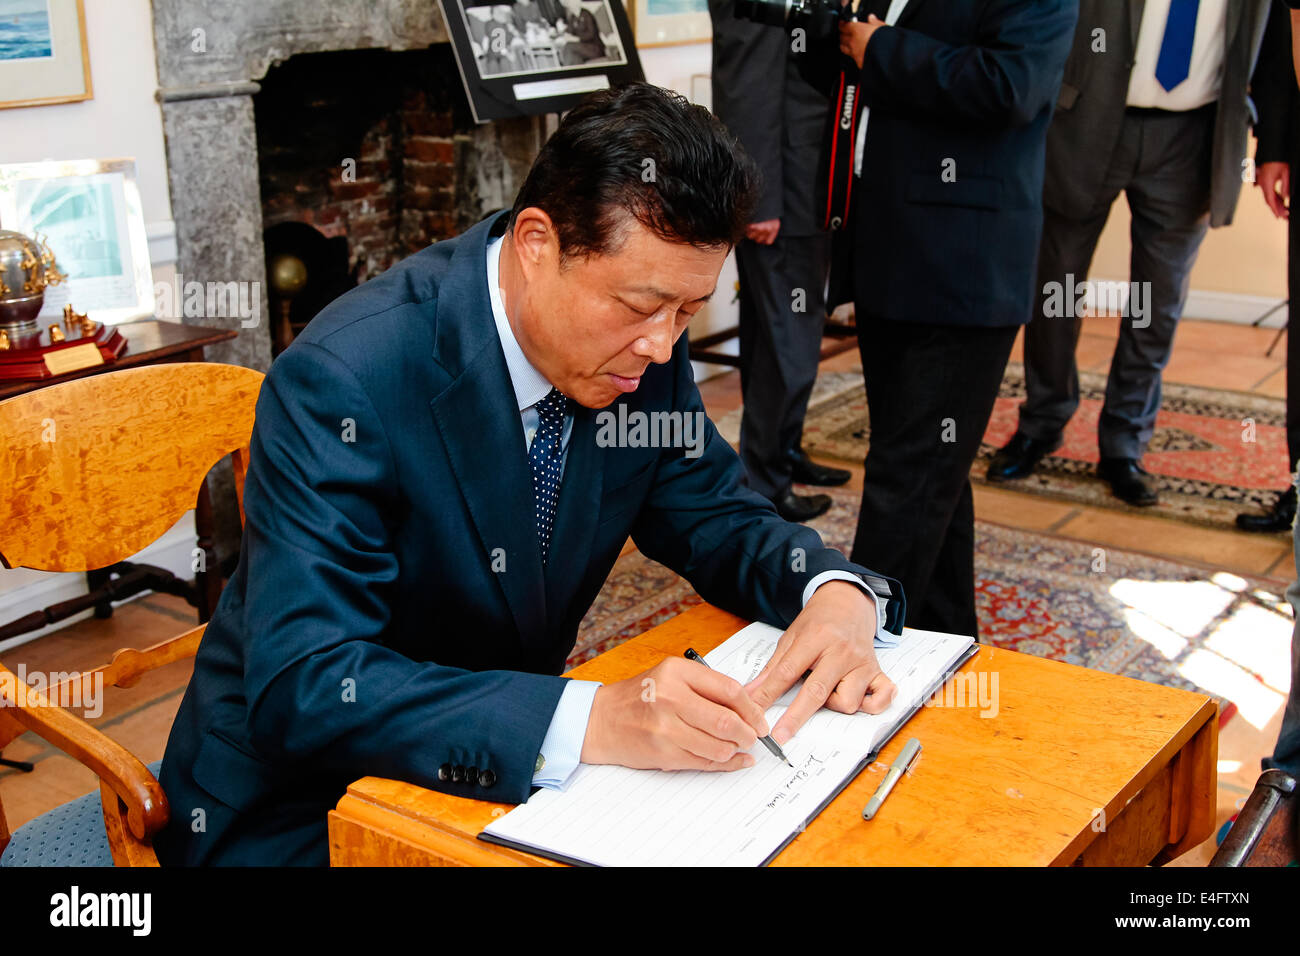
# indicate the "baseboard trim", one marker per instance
pixel 1207 304
pixel 35 590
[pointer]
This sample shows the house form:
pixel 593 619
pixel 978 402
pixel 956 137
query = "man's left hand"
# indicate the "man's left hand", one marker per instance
pixel 854 36
pixel 834 637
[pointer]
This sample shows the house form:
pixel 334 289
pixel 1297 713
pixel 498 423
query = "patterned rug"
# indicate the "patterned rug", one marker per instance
pixel 1214 452
pixel 1110 610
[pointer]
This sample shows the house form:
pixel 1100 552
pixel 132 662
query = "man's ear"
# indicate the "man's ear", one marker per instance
pixel 534 238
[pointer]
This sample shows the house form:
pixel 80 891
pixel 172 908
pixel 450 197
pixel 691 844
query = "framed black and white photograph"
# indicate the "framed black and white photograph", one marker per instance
pixel 527 57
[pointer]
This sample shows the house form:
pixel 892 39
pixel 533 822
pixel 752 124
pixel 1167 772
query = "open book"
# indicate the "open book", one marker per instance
pixel 614 816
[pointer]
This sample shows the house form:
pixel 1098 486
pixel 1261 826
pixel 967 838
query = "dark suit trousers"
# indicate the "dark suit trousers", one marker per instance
pixel 930 392
pixel 1162 164
pixel 779 350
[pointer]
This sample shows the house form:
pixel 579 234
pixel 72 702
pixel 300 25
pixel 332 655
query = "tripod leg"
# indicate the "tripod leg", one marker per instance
pixel 1277 338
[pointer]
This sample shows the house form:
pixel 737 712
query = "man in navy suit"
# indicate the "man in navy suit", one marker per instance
pixel 445 466
pixel 947 215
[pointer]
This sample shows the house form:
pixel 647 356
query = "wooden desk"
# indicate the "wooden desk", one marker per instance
pixel 1077 767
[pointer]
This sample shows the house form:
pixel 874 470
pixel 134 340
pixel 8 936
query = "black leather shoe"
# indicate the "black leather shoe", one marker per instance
pixel 1128 481
pixel 801 508
pixel 1019 457
pixel 808 472
pixel 1280 518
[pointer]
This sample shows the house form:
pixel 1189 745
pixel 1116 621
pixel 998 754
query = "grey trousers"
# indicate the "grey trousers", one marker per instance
pixel 782 312
pixel 1162 164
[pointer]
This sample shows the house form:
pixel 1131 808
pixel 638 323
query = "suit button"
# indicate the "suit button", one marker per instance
pixel 471 775
pixel 486 778
pixel 444 772
pixel 458 774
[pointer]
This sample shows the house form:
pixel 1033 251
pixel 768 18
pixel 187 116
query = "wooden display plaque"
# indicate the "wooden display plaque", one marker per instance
pixel 103 346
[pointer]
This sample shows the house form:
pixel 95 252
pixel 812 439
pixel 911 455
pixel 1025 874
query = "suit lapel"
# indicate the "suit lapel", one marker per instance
pixel 1238 14
pixel 478 419
pixel 908 12
pixel 1135 11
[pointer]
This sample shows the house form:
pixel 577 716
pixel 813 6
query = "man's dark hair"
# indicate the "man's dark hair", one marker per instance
pixel 644 152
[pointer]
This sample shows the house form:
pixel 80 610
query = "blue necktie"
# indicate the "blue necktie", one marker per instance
pixel 546 456
pixel 1175 60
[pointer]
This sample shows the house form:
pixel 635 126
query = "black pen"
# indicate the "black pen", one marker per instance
pixel 768 742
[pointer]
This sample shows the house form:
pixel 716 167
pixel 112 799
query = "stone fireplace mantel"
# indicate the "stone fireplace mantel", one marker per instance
pixel 241 39
pixel 210 54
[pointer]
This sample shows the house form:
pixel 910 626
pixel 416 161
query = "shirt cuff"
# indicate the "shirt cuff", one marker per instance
pixel 884 638
pixel 562 745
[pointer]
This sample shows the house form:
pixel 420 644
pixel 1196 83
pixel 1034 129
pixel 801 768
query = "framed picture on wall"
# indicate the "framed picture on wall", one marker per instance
pixel 43 54
pixel 671 22
pixel 528 57
pixel 89 213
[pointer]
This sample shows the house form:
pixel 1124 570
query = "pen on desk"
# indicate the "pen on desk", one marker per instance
pixel 901 763
pixel 768 742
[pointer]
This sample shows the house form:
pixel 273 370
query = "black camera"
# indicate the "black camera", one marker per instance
pixel 820 18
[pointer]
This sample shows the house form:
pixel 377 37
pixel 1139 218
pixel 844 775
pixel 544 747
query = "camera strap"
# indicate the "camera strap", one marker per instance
pixel 837 177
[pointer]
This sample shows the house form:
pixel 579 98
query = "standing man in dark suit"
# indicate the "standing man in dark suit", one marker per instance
pixel 444 468
pixel 1155 105
pixel 774 100
pixel 1277 158
pixel 947 211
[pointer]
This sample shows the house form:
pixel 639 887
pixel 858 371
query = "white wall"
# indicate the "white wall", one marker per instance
pixel 122 119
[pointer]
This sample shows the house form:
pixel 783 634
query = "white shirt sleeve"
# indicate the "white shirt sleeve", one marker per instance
pixel 884 638
pixel 562 745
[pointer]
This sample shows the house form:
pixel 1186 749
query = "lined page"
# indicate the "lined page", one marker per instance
pixel 615 816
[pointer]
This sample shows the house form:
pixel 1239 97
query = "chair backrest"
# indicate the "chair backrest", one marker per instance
pixel 91 472
pixel 96 469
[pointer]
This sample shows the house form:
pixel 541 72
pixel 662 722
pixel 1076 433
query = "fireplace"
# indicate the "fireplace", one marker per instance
pixel 264 101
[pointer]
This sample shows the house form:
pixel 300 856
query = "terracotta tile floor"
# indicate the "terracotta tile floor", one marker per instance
pixel 1205 353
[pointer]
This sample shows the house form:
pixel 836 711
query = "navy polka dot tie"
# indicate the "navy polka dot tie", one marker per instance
pixel 545 457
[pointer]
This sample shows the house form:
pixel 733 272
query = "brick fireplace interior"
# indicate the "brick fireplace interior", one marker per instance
pixel 366 157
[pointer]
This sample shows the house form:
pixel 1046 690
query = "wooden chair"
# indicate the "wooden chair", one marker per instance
pixel 1267 829
pixel 91 472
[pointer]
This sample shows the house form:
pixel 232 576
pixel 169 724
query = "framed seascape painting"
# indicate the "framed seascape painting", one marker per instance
pixel 90 214
pixel 528 57
pixel 671 22
pixel 43 54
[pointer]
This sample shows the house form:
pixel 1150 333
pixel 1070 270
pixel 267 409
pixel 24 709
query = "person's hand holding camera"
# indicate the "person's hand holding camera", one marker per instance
pixel 855 35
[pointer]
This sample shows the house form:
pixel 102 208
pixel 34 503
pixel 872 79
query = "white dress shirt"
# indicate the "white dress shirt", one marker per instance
pixel 562 745
pixel 1206 69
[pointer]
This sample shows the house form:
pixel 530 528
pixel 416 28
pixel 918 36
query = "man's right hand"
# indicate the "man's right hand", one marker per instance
pixel 1275 180
pixel 679 715
pixel 764 233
